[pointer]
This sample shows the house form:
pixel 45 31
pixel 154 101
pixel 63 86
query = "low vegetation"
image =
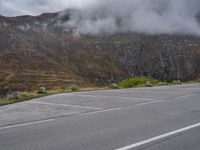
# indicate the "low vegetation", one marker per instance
pixel 55 90
pixel 129 83
pixel 139 81
pixel 23 97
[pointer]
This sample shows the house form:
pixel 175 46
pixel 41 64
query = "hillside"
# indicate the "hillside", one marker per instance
pixel 42 51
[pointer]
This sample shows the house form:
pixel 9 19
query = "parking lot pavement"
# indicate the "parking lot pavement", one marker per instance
pixel 83 102
pixel 141 118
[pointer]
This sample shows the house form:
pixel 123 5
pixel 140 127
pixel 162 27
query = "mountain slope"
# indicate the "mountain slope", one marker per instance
pixel 43 51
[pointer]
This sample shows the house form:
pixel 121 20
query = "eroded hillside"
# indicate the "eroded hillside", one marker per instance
pixel 41 51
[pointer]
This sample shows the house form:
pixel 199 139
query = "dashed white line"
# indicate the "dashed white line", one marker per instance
pixel 140 104
pixel 151 92
pixel 116 97
pixel 26 124
pixel 184 96
pixel 153 139
pixel 100 111
pixel 118 108
pixel 66 105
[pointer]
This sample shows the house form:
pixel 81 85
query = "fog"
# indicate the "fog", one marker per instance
pixel 142 16
pixel 116 16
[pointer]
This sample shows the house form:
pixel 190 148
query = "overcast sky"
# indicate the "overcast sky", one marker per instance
pixel 35 7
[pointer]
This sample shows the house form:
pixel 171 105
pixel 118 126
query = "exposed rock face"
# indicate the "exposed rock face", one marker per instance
pixel 40 51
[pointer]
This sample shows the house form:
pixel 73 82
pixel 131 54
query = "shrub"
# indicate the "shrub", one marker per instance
pixel 137 81
pixel 56 89
pixel 74 88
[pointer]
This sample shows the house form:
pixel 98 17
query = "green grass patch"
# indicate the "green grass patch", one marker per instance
pixel 138 81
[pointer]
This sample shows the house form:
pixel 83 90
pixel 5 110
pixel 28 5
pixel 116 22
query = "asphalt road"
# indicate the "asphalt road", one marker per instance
pixel 158 118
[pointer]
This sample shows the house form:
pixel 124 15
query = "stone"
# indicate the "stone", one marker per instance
pixel 114 86
pixel 148 84
pixel 177 82
pixel 15 94
pixel 42 90
pixel 74 88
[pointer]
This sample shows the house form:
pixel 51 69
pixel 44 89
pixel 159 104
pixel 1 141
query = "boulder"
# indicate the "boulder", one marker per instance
pixel 177 82
pixel 74 88
pixel 114 86
pixel 42 90
pixel 16 94
pixel 148 84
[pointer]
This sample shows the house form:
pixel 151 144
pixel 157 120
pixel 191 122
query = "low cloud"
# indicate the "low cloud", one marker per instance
pixel 116 16
pixel 142 16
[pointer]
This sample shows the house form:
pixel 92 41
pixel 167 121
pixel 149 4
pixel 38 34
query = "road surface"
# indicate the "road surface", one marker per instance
pixel 158 118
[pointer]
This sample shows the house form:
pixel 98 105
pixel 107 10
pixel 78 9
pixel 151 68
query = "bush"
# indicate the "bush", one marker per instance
pixel 56 89
pixel 137 81
pixel 74 88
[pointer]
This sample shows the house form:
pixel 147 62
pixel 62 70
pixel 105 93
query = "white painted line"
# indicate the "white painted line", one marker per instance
pixel 139 104
pixel 146 103
pixel 100 111
pixel 152 102
pixel 184 96
pixel 69 114
pixel 159 137
pixel 116 97
pixel 66 105
pixel 107 110
pixel 151 92
pixel 26 124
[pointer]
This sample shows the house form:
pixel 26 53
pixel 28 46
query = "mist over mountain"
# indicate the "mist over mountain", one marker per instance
pixel 117 16
pixel 142 16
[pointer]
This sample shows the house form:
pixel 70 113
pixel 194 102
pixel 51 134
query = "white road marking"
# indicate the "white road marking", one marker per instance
pixel 100 111
pixel 151 92
pixel 66 105
pixel 116 97
pixel 118 108
pixel 167 100
pixel 26 124
pixel 159 137
pixel 140 104
pixel 184 96
pixel 69 114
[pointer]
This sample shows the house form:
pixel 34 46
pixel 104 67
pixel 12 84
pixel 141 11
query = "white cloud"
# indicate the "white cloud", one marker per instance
pixel 109 16
pixel 143 16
